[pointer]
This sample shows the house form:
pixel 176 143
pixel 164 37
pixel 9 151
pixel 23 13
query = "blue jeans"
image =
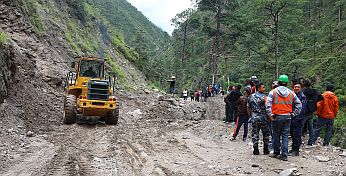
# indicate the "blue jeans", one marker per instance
pixel 171 90
pixel 281 129
pixel 297 125
pixel 309 121
pixel 320 123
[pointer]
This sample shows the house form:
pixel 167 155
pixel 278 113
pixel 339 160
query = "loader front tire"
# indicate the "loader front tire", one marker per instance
pixel 70 112
pixel 112 117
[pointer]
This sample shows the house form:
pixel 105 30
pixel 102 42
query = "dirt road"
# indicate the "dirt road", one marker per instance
pixel 158 138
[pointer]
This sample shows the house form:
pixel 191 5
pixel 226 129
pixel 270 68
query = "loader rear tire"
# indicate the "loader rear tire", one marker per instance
pixel 70 112
pixel 112 117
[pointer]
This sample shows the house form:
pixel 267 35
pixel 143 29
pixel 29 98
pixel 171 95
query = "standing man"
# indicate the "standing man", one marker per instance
pixel 326 112
pixel 196 95
pixel 205 93
pixel 231 101
pixel 279 105
pixel 185 94
pixel 234 99
pixel 244 114
pixel 297 122
pixel 313 96
pixel 259 119
pixel 171 85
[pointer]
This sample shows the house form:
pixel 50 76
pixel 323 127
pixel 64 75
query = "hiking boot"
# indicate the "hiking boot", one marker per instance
pixel 266 149
pixel 274 155
pixel 283 158
pixel 293 153
pixel 255 150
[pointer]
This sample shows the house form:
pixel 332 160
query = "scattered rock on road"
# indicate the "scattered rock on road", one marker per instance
pixel 322 158
pixel 147 91
pixel 30 134
pixel 343 154
pixel 288 172
pixel 255 165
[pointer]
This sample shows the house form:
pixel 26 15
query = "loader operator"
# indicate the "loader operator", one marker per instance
pixel 90 73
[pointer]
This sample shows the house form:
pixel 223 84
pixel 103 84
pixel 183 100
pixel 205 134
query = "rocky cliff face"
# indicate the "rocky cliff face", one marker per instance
pixel 31 74
pixel 7 71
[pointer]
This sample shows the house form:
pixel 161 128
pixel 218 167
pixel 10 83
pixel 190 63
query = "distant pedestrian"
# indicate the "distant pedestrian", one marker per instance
pixel 254 81
pixel 259 119
pixel 192 95
pixel 248 84
pixel 221 91
pixel 196 95
pixel 230 89
pixel 185 94
pixel 205 94
pixel 327 110
pixel 243 115
pixel 216 89
pixel 280 104
pixel 232 102
pixel 210 92
pixel 171 85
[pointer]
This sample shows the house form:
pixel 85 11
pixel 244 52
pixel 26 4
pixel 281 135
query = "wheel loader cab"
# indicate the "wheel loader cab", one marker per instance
pixel 90 94
pixel 91 68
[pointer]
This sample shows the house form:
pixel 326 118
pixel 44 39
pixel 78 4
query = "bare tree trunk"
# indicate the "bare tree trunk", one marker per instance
pixel 309 11
pixel 218 34
pixel 183 54
pixel 340 11
pixel 276 43
pixel 184 44
pixel 330 39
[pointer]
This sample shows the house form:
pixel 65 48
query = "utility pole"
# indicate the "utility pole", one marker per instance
pixel 161 69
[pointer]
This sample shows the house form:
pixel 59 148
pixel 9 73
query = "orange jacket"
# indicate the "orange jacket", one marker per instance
pixel 282 105
pixel 329 106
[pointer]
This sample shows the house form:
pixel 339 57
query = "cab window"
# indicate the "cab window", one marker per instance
pixel 91 68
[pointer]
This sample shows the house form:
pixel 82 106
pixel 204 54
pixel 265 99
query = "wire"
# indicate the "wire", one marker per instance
pixel 307 47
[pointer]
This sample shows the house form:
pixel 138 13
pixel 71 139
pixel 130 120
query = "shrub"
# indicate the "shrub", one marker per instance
pixel 3 38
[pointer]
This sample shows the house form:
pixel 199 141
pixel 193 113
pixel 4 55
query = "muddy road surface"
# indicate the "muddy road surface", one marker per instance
pixel 153 137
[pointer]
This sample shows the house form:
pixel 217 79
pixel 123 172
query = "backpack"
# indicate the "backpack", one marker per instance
pixel 311 104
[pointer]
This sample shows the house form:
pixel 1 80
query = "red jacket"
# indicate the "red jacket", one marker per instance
pixel 329 106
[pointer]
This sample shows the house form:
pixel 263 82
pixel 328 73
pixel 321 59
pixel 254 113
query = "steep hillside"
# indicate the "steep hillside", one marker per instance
pixel 129 21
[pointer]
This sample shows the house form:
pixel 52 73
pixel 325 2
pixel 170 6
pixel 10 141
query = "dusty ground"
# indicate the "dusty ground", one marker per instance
pixel 155 138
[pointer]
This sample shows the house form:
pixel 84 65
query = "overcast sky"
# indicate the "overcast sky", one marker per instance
pixel 160 12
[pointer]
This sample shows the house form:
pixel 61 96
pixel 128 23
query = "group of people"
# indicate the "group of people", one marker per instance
pixel 207 91
pixel 281 113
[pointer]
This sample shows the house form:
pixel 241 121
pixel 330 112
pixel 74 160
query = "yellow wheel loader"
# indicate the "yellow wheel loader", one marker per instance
pixel 89 92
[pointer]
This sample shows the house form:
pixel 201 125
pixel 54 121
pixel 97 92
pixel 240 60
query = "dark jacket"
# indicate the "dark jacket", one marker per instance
pixel 232 98
pixel 243 106
pixel 303 100
pixel 311 95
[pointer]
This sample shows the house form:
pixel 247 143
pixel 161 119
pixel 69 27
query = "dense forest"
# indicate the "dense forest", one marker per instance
pixel 234 40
